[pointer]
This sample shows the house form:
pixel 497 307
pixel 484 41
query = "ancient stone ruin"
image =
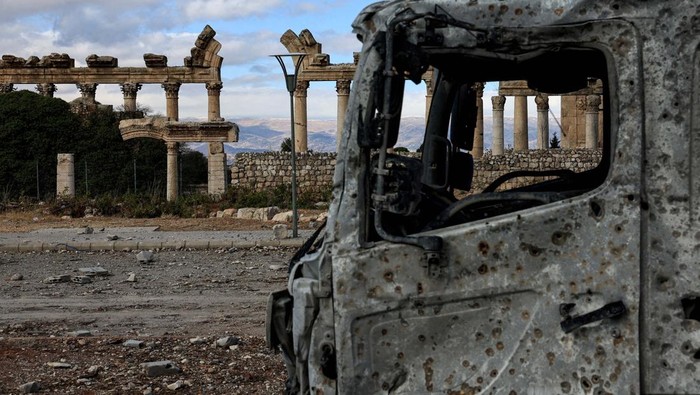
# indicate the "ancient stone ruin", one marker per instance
pixel 203 66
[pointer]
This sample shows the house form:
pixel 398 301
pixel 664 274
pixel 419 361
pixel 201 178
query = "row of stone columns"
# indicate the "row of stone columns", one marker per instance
pixel 342 89
pixel 217 157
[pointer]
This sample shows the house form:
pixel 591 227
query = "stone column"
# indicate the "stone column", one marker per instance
pixel 129 90
pixel 300 117
pixel 542 101
pixel 87 91
pixel 498 103
pixel 172 182
pixel 46 89
pixel 7 88
pixel 65 175
pixel 592 104
pixel 171 104
pixel 214 103
pixel 343 90
pixel 217 169
pixel 478 148
pixel 520 138
pixel 429 89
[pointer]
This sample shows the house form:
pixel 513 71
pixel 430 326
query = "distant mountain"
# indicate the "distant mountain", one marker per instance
pixel 261 135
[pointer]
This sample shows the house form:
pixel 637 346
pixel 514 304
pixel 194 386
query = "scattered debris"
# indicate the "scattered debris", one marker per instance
pixel 59 365
pixel 30 387
pixel 176 385
pixel 86 231
pixel 17 277
pixel 145 257
pixel 81 279
pixel 112 237
pixel 132 278
pixel 80 333
pixel 64 278
pixel 94 271
pixel 227 341
pixel 159 368
pixel 198 340
pixel 133 343
pixel 92 372
pixel 280 231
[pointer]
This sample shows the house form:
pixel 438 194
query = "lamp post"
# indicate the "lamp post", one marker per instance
pixel 290 78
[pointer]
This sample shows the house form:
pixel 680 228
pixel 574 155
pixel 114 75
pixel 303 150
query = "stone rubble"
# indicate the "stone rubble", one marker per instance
pixel 30 387
pixel 145 257
pixel 159 368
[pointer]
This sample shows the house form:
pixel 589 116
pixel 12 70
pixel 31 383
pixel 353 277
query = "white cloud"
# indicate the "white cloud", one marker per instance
pixel 227 9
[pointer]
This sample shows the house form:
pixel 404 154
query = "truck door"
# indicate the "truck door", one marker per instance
pixel 535 298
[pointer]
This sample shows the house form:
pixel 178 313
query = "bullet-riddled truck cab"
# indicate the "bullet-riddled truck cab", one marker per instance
pixel 577 282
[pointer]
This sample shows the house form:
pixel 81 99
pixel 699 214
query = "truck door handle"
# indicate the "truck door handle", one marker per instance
pixel 610 310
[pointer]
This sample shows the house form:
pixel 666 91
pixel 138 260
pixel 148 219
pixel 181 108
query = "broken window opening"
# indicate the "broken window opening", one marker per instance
pixel 443 185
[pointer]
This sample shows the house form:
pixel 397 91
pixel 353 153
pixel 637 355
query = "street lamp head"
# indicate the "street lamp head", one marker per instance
pixel 290 76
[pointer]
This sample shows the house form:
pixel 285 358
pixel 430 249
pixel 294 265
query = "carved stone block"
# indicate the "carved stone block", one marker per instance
pixel 153 60
pixel 101 61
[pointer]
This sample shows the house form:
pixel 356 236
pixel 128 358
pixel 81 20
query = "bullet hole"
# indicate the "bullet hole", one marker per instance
pixel 483 248
pixel 691 310
pixel 389 276
pixel 597 211
pixel 696 355
pixel 586 384
pixel 616 7
pixel 483 269
pixel 384 332
pixel 559 238
pixel 631 83
pixel 618 229
pixel 419 288
pixel 494 373
pixel 421 338
pixel 630 198
pixel 565 387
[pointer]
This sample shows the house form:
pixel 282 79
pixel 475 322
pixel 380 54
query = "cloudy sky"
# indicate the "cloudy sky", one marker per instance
pixel 249 31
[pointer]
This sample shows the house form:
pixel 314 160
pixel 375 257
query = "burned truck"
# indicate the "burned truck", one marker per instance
pixel 580 283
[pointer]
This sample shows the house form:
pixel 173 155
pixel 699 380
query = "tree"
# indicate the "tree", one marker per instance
pixel 554 142
pixel 34 129
pixel 286 145
pixel 195 167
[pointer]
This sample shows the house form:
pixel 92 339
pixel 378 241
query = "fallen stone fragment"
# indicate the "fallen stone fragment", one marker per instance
pixel 132 278
pixel 94 271
pixel 283 217
pixel 198 340
pixel 64 278
pixel 81 279
pixel 133 343
pixel 145 257
pixel 159 368
pixel 17 277
pixel 112 237
pixel 280 231
pixel 228 341
pixel 80 333
pixel 176 385
pixel 148 391
pixel 277 267
pixel 30 387
pixel 92 372
pixel 86 231
pixel 59 365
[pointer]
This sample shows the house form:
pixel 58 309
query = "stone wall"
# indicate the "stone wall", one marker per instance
pixel 270 169
pixel 315 171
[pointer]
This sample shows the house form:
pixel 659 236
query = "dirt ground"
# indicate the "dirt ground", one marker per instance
pixel 174 309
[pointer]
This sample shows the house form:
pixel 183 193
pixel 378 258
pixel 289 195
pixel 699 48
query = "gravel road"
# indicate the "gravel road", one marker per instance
pixel 180 295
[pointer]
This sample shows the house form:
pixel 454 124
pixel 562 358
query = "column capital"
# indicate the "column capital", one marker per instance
pixel 542 101
pixel 592 103
pixel 214 88
pixel 498 102
pixel 46 89
pixel 171 89
pixel 302 87
pixel 172 146
pixel 479 88
pixel 87 90
pixel 7 88
pixel 129 89
pixel 342 87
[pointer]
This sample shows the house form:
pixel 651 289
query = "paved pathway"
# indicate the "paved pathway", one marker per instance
pixel 140 238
